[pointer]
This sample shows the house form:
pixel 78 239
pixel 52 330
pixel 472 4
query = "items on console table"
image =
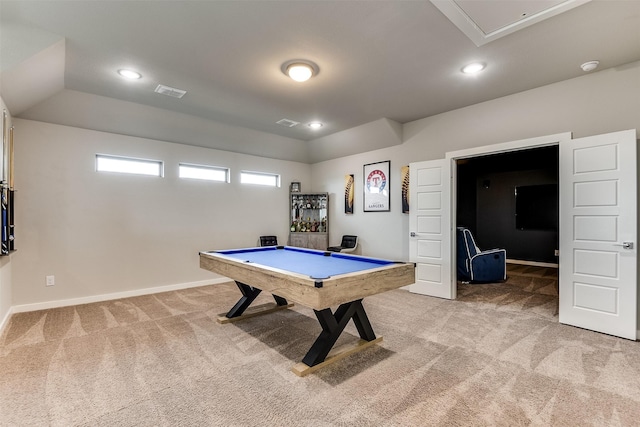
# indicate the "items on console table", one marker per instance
pixel 309 225
pixel 316 279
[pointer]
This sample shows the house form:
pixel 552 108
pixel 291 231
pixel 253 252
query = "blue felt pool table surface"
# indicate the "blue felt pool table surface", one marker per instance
pixel 315 264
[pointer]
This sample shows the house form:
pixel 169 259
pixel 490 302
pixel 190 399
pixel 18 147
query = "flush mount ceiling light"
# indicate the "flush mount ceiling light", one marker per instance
pixel 129 74
pixel 315 125
pixel 590 66
pixel 473 68
pixel 300 70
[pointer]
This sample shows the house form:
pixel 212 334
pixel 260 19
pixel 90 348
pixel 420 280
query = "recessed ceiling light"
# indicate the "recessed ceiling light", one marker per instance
pixel 476 67
pixel 129 74
pixel 315 125
pixel 300 70
pixel 590 66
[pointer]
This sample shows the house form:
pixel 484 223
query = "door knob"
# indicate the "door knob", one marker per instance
pixel 413 234
pixel 625 245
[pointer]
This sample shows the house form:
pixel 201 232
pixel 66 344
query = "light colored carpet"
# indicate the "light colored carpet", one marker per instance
pixel 495 356
pixel 541 280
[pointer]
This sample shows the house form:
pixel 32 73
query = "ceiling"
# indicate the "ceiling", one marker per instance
pixel 393 60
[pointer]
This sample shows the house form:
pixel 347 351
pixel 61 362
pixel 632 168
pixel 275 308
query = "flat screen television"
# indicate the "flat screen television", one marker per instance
pixel 537 207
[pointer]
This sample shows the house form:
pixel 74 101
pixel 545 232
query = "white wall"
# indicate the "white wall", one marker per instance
pixel 101 234
pixel 592 104
pixel 107 233
pixel 5 261
pixel 380 234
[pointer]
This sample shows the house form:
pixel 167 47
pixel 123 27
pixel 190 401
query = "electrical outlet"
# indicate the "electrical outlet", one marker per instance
pixel 51 280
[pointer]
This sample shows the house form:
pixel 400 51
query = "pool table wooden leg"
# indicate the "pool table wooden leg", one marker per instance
pixel 333 325
pixel 280 300
pixel 249 294
pixel 362 323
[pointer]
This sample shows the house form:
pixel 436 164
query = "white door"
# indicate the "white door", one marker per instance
pixel 598 237
pixel 430 228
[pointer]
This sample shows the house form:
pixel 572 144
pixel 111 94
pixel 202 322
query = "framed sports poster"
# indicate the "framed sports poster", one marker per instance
pixel 404 176
pixel 348 194
pixel 377 187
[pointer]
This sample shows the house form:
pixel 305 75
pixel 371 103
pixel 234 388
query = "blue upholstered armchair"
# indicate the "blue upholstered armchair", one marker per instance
pixel 477 266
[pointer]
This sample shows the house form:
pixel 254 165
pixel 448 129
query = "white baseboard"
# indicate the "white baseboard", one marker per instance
pixel 532 263
pixel 106 297
pixel 5 321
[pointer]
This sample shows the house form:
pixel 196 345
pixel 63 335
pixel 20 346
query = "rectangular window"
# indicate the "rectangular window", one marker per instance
pixel 208 173
pixel 106 163
pixel 260 178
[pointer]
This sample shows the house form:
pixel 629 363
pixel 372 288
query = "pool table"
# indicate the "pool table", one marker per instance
pixel 316 279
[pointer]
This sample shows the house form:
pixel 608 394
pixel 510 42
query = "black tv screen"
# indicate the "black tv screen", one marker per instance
pixel 537 207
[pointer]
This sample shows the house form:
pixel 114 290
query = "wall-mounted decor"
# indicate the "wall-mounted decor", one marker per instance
pixel 4 246
pixel 5 144
pixel 348 193
pixel 376 186
pixel 11 163
pixel 404 176
pixel 6 196
pixel 11 198
pixel 295 187
pixel 7 235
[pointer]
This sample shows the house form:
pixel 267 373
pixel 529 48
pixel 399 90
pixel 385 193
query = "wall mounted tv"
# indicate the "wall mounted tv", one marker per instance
pixel 537 207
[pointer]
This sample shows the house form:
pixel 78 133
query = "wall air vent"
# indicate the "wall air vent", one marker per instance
pixel 170 91
pixel 288 123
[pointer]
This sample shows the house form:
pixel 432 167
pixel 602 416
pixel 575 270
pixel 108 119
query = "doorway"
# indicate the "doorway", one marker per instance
pixel 510 201
pixel 597 227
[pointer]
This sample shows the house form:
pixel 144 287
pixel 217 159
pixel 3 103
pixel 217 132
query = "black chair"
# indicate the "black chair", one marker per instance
pixel 348 244
pixel 268 240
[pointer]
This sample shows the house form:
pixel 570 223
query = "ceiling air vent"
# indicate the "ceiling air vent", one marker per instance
pixel 288 123
pixel 170 91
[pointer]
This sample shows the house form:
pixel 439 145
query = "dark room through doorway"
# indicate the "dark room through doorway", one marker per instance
pixel 510 201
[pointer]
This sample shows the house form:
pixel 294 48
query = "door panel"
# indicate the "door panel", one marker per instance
pixel 597 298
pixel 603 228
pixel 598 233
pixel 430 226
pixel 429 248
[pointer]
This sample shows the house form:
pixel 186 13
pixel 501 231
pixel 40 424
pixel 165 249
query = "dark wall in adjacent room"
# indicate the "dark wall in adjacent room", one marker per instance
pixel 486 201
